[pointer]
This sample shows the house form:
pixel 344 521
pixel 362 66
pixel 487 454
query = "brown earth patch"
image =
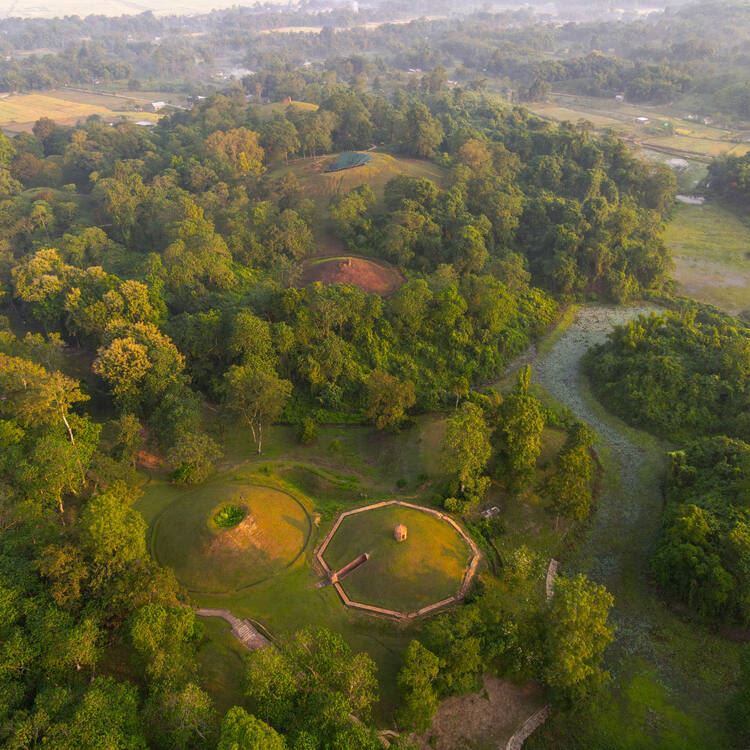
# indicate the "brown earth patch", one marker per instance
pixel 375 277
pixel 484 719
pixel 237 539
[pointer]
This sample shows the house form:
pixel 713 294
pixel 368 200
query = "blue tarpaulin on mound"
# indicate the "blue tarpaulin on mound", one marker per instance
pixel 347 160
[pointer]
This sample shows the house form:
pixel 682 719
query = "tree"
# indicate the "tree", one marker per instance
pixel 181 718
pixel 106 718
pixel 123 364
pixel 236 153
pixel 350 215
pixel 520 430
pixel 466 446
pixel 423 133
pixel 314 683
pixel 388 399
pixel 164 638
pixel 569 487
pixel 35 398
pixel 193 457
pixel 416 680
pixel 112 533
pixel 258 395
pixel 280 137
pixel 578 633
pixel 242 731
pixel 470 253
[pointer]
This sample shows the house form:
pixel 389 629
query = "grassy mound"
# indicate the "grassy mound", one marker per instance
pixel 320 185
pixel 427 567
pixel 223 537
pixel 348 160
pixel 376 277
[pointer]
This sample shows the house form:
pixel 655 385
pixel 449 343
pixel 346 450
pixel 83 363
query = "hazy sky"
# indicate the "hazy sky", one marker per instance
pixel 50 8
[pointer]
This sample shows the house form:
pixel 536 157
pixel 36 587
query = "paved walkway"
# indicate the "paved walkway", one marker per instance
pixel 245 632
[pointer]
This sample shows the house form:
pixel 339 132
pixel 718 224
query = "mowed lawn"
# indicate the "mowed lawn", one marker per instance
pixel 427 567
pixel 211 560
pixel 711 249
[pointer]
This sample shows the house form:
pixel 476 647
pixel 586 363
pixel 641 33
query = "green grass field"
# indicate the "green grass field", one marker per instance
pixel 207 558
pixel 680 135
pixel 346 467
pixel 425 568
pixel 711 249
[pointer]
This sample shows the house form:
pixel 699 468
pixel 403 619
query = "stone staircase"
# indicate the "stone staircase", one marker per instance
pixel 243 630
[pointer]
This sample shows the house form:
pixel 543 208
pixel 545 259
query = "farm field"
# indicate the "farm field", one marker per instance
pixel 665 130
pixel 19 112
pixel 711 250
pixel 427 567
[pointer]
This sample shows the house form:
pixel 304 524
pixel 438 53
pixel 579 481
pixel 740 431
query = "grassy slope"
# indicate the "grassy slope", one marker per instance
pixel 320 186
pixel 711 248
pixel 425 568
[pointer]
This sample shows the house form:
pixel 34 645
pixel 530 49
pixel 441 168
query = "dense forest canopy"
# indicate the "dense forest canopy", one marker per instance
pixel 680 374
pixel 156 305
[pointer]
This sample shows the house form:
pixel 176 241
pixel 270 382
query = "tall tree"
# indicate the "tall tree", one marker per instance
pixel 466 446
pixel 520 429
pixel 578 633
pixel 258 395
pixel 416 680
pixel 388 399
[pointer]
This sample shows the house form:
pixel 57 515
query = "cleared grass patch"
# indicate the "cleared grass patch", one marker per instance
pixel 207 557
pixel 280 108
pixel 426 567
pixel 711 249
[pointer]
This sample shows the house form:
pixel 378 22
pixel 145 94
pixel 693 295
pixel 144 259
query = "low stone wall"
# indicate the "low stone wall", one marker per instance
pixel 528 728
pixel 392 613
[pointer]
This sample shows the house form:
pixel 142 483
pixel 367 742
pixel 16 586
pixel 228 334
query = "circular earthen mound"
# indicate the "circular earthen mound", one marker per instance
pixel 210 559
pixel 372 276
